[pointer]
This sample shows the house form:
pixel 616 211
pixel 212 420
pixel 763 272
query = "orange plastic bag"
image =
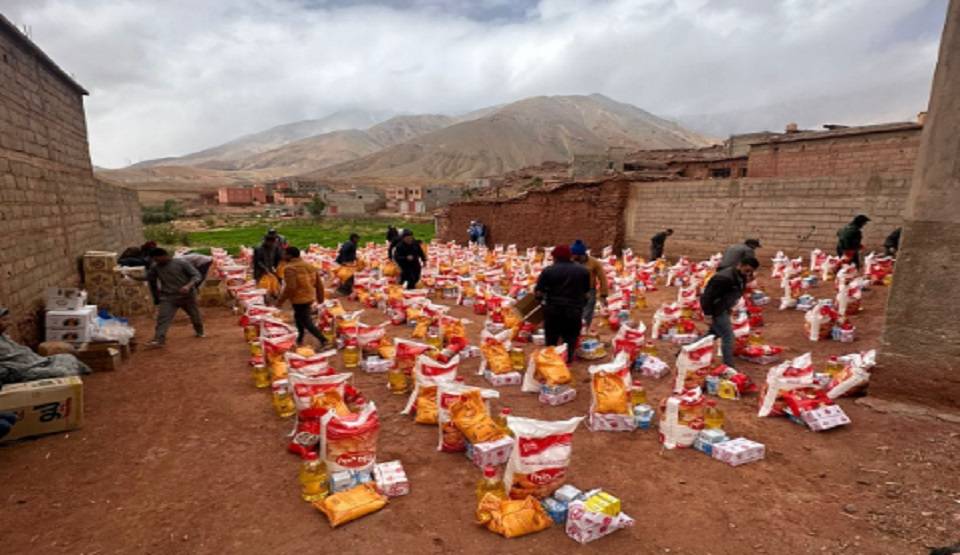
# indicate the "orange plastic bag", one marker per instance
pixel 611 394
pixel 270 283
pixel 420 331
pixel 351 504
pixel 515 517
pixel 551 367
pixel 427 411
pixel 497 357
pixel 470 416
pixel 390 269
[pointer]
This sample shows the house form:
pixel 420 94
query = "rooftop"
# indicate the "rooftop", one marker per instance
pixel 839 131
pixel 11 30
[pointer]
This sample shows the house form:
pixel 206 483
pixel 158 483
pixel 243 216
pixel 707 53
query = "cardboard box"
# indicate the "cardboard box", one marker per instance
pixel 100 280
pixel 557 397
pixel 738 451
pixel 510 378
pixel 597 422
pixel 101 360
pixel 43 406
pixel 58 298
pixel 585 526
pixel 824 417
pixel 391 479
pixel 99 261
pixel 492 453
pixel 81 335
pixel 71 319
pixel 132 290
pixel 125 350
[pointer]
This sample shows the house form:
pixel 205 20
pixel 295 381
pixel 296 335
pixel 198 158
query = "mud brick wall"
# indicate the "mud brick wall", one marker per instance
pixel 52 209
pixel 891 153
pixel 588 211
pixel 794 215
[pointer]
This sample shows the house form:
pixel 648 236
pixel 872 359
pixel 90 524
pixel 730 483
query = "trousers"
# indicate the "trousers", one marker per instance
pixel 722 327
pixel 303 319
pixel 410 275
pixel 167 309
pixel 590 307
pixel 562 324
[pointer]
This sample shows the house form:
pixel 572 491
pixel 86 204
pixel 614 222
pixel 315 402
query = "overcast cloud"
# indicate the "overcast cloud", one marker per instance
pixel 174 76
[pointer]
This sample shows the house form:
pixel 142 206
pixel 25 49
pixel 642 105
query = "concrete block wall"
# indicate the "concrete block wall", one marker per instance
pixel 52 209
pixel 588 211
pixel 793 215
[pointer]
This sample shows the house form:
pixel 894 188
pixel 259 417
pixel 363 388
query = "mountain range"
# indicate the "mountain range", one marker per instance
pixel 490 141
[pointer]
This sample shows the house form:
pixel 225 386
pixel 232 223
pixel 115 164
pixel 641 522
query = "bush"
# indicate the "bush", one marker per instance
pixel 166 234
pixel 170 211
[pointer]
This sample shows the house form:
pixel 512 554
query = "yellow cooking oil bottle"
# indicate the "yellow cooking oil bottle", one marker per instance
pixel 351 353
pixel 313 479
pixel 261 376
pixel 282 399
pixel 713 416
pixel 490 484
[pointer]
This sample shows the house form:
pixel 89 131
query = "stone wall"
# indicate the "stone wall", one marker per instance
pixel 793 215
pixel 588 211
pixel 52 209
pixel 877 153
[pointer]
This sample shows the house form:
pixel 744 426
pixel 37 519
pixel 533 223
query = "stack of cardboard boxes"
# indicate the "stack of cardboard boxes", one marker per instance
pixel 132 292
pixel 43 406
pixel 69 318
pixel 99 279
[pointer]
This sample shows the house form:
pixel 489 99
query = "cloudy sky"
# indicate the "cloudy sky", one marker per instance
pixel 173 76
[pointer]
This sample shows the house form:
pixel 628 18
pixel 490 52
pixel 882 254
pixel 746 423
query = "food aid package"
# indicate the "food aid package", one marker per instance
pixel 786 376
pixel 681 418
pixel 694 359
pixel 584 525
pixel 629 340
pixel 547 366
pixel 369 337
pixel 663 319
pixel 348 325
pixel 450 438
pixel 540 457
pixel 272 327
pixel 819 320
pixel 313 397
pixel 406 353
pixel 738 451
pixel 317 364
pixel 495 352
pixel 610 387
pixel 275 347
pixel 854 376
pixel 391 479
pixel 512 518
pixel 427 373
pixel 471 416
pixel 349 442
pixel 351 504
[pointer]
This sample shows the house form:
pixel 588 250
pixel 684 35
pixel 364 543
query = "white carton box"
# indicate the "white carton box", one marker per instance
pixel 58 298
pixel 79 335
pixel 71 319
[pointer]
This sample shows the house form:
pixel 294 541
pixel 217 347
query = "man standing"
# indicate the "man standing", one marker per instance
pixel 302 286
pixel 409 255
pixel 598 280
pixel 892 243
pixel 562 289
pixel 267 256
pixel 173 284
pixel 657 242
pixel 720 296
pixel 850 240
pixel 734 254
pixel 481 234
pixel 473 232
pixel 347 256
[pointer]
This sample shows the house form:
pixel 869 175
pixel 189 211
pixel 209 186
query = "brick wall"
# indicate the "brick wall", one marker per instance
pixel 588 211
pixel 878 153
pixel 793 215
pixel 52 209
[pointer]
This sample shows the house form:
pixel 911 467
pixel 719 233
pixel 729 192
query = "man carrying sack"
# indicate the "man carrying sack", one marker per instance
pixel 562 288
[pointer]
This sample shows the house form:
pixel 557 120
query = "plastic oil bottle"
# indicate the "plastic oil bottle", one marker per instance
pixel 501 420
pixel 518 360
pixel 261 376
pixel 329 335
pixel 834 366
pixel 490 484
pixel 713 416
pixel 638 395
pixel 282 400
pixel 396 380
pixel 313 479
pixel 351 353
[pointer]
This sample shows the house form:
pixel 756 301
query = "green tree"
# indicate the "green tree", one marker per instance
pixel 316 206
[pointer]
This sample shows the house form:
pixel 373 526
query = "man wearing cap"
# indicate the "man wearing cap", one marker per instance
pixel 562 289
pixel 736 253
pixel 598 279
pixel 850 240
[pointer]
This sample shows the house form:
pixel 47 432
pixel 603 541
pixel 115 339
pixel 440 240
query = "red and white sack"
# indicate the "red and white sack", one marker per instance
pixel 450 439
pixel 817 259
pixel 406 353
pixel 308 389
pixel 856 373
pixel 819 319
pixel 350 442
pixel 629 340
pixel 313 365
pixel 693 356
pixel 429 372
pixel 255 313
pixel 787 376
pixel 673 432
pixel 663 319
pixel 275 347
pixel 540 457
pixel 367 335
pixel 271 327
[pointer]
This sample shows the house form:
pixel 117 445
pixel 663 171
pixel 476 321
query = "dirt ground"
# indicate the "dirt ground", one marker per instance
pixel 181 454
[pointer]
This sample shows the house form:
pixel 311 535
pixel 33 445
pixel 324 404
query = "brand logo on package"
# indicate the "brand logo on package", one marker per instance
pixel 56 410
pixel 355 459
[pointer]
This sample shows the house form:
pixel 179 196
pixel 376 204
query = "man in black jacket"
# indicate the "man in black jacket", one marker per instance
pixel 722 292
pixel 850 240
pixel 266 257
pixel 348 256
pixel 562 288
pixel 409 255
pixel 657 242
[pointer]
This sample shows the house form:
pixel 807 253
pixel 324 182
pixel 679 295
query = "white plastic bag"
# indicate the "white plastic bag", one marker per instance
pixel 540 457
